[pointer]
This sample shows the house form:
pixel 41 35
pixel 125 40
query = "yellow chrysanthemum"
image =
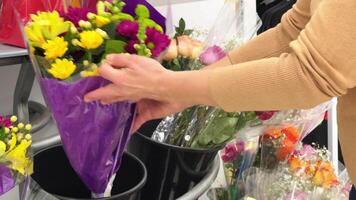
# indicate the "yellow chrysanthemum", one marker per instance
pixel 62 69
pixel 55 48
pixel 89 73
pixel 101 21
pixel 12 142
pixel 18 158
pixel 90 40
pixel 45 26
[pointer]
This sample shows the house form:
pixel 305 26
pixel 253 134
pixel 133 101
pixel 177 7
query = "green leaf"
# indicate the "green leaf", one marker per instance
pixel 110 29
pixel 115 46
pixel 182 24
pixel 2 133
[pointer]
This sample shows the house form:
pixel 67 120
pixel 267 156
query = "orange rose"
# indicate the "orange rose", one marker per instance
pixel 172 51
pixel 286 150
pixel 291 133
pixel 185 46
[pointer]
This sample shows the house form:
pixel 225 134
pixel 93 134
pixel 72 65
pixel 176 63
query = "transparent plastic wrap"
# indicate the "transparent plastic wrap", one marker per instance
pixel 15 160
pixel 66 49
pixel 202 126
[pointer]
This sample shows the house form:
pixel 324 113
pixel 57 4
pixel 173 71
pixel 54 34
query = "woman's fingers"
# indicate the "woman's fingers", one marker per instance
pixel 103 94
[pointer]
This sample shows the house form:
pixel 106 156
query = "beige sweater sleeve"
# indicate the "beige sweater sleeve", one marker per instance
pixel 321 64
pixel 276 39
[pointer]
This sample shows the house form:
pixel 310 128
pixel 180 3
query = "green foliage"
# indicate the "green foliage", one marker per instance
pixel 180 30
pixel 114 46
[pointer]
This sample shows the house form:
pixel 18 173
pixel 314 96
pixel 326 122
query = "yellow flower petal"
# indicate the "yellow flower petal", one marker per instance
pixel 55 48
pixel 90 40
pixel 18 158
pixel 62 69
pixel 2 148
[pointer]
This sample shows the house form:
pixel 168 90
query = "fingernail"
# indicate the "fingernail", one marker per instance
pixel 109 57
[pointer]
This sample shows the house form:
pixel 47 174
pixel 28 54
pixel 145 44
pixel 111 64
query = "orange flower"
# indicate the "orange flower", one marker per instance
pixel 295 164
pixel 324 175
pixel 287 149
pixel 273 133
pixel 291 133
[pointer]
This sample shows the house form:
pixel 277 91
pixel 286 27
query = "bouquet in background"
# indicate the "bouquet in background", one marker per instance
pixel 201 126
pixel 15 162
pixel 238 156
pixel 307 175
pixel 66 49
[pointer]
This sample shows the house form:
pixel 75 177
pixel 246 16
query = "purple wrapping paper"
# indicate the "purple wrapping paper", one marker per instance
pixel 93 135
pixel 7 181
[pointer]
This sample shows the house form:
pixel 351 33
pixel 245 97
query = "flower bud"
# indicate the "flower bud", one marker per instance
pixel 13 119
pixel 28 137
pixel 73 30
pixel 20 125
pixel 7 130
pixel 15 130
pixel 85 63
pixel 28 127
pixel 91 16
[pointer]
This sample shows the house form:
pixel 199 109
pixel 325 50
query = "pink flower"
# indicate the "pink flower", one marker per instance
pixel 231 150
pixel 212 55
pixel 76 14
pixel 129 48
pixel 265 115
pixel 297 196
pixel 127 29
pixel 4 122
pixel 156 41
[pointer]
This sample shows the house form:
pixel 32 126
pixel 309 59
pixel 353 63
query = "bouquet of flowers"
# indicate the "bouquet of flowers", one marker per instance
pixel 66 49
pixel 202 126
pixel 308 174
pixel 15 161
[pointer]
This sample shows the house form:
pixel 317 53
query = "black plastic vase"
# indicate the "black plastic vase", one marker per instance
pixel 54 178
pixel 172 170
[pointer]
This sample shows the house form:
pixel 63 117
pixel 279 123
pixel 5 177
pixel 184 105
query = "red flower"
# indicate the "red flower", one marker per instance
pixel 287 149
pixel 291 134
pixel 230 152
pixel 265 115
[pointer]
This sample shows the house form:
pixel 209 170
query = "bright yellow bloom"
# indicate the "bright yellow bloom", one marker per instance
pixel 15 130
pixel 12 142
pixel 55 48
pixel 90 40
pixel 101 21
pixel 13 119
pixel 45 26
pixel 18 158
pixel 2 148
pixel 28 137
pixel 28 127
pixel 20 125
pixel 62 69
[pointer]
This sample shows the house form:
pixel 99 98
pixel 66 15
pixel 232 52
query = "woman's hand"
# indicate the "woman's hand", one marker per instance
pixel 133 78
pixel 157 91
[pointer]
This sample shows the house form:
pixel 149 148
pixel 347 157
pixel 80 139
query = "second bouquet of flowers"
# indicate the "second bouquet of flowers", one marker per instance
pixel 66 49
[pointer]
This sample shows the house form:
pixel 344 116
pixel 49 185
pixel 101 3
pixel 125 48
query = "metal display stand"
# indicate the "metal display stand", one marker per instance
pixel 22 106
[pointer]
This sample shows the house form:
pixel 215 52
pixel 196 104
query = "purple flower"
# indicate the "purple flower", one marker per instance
pixel 265 115
pixel 4 122
pixel 127 29
pixel 76 14
pixel 156 41
pixel 130 46
pixel 212 55
pixel 230 152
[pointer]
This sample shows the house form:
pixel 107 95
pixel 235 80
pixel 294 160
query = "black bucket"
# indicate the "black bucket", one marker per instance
pixel 54 176
pixel 172 170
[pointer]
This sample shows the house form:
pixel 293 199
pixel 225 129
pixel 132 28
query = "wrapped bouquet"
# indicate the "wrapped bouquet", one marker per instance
pixel 307 174
pixel 204 127
pixel 15 161
pixel 66 49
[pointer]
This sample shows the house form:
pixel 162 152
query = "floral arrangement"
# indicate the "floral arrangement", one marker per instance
pixel 15 162
pixel 277 143
pixel 66 49
pixel 308 174
pixel 73 44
